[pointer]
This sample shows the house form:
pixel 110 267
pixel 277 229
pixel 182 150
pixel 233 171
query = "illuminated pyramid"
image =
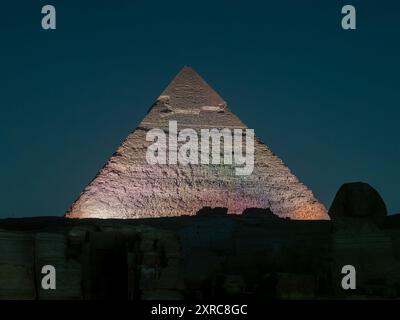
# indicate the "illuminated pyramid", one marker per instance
pixel 129 187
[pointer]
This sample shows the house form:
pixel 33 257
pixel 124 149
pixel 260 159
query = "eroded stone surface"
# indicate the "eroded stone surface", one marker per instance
pixel 358 200
pixel 198 257
pixel 128 187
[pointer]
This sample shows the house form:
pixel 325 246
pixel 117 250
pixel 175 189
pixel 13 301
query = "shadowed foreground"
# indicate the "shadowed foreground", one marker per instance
pixel 251 256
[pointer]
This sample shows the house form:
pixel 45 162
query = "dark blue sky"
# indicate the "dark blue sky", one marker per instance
pixel 327 101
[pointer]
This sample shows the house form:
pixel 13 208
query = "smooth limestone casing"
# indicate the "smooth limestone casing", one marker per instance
pixel 129 187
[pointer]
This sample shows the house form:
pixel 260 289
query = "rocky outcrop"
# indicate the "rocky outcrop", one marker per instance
pixel 358 200
pixel 360 239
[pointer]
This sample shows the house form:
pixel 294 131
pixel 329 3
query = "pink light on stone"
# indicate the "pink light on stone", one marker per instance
pixel 129 187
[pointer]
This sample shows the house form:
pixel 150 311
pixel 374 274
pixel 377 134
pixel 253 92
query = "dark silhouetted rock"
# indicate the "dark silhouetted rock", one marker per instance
pixel 358 200
pixel 259 212
pixel 207 211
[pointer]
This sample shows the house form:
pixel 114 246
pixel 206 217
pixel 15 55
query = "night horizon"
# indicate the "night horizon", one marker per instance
pixel 326 101
pixel 195 159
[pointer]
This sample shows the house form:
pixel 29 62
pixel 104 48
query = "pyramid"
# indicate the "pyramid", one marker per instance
pixel 129 187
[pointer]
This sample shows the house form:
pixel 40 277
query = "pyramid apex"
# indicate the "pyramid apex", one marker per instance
pixel 189 90
pixel 185 70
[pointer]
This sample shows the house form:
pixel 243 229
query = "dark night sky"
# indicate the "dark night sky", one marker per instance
pixel 327 101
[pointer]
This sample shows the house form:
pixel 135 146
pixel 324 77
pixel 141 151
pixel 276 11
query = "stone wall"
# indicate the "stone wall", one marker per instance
pixel 247 257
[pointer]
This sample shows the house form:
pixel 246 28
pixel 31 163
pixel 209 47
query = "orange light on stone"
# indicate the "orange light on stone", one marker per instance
pixel 129 187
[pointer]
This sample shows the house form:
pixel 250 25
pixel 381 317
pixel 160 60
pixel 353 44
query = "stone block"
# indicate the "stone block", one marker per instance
pixel 234 284
pixel 16 266
pixel 171 278
pixel 77 235
pixel 50 249
pixel 295 286
pixel 171 246
pixel 147 245
pixel 151 259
